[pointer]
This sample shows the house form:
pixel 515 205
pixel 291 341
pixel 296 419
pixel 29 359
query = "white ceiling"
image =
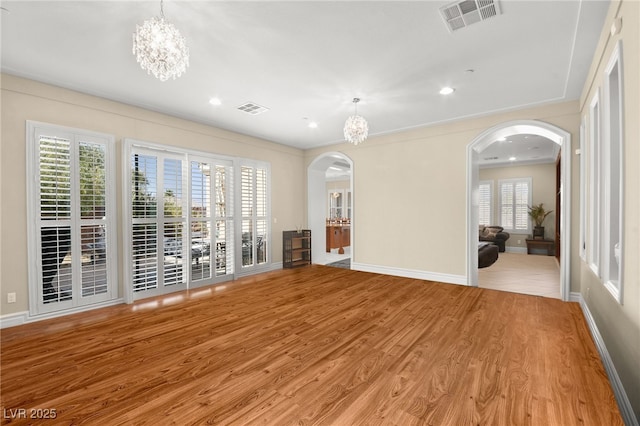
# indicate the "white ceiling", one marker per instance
pixel 519 149
pixel 306 61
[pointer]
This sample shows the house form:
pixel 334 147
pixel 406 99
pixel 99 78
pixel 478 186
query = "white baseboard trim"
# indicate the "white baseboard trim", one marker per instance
pixel 521 250
pixel 12 320
pixel 411 273
pixel 19 318
pixel 626 410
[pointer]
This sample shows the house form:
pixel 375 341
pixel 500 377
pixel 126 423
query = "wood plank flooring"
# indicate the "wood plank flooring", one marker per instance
pixel 313 346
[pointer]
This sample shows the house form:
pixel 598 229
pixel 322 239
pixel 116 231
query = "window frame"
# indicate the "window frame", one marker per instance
pixel 75 221
pixel 594 205
pixel 612 227
pixel 232 164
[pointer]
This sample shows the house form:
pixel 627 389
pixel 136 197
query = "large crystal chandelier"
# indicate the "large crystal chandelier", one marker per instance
pixel 160 48
pixel 356 128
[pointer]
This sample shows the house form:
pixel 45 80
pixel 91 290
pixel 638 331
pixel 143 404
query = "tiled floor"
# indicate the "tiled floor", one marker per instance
pixel 523 273
pixel 325 258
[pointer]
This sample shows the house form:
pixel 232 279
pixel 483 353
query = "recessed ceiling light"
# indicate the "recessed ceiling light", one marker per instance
pixel 215 101
pixel 502 139
pixel 512 158
pixel 447 90
pixel 313 125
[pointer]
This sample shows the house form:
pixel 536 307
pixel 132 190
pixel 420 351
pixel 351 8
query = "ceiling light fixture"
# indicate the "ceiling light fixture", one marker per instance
pixel 447 90
pixel 313 125
pixel 160 49
pixel 215 101
pixel 356 128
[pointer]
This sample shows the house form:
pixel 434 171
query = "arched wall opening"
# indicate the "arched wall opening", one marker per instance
pixel 316 202
pixel 479 144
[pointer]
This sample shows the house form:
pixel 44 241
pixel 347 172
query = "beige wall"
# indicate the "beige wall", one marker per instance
pixel 620 324
pixel 28 100
pixel 543 183
pixel 410 207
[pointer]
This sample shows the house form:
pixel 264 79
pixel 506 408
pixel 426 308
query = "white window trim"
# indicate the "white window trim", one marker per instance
pixel 594 206
pixel 583 190
pixel 529 182
pixel 612 172
pixel 33 227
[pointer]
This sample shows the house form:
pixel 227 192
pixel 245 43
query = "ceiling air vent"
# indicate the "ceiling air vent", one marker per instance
pixel 464 13
pixel 252 108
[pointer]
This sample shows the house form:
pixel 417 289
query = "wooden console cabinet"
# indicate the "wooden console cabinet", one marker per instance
pixel 296 248
pixel 338 236
pixel 548 245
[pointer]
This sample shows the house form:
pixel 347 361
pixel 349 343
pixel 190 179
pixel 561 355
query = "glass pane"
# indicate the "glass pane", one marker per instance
pixel 173 254
pixel 247 243
pixel 200 250
pixel 145 257
pixel 222 209
pixel 92 180
pixel 223 262
pixel 56 264
pixel 94 260
pixel 144 182
pixel 55 178
pixel 261 241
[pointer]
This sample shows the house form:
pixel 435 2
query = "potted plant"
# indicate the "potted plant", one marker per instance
pixel 538 214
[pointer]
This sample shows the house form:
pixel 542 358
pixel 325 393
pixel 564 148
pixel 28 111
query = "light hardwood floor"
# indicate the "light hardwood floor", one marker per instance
pixel 522 273
pixel 315 345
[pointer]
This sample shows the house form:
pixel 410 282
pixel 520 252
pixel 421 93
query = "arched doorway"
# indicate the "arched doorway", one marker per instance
pixel 316 200
pixel 479 144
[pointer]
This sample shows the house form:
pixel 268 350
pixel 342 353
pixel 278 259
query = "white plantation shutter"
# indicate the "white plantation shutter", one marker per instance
pixel 195 219
pixel 73 217
pixel 520 207
pixel 159 244
pixel 254 214
pixel 211 222
pixel 485 203
pixel 514 199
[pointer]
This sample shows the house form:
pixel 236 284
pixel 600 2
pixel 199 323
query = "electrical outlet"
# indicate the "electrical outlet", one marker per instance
pixel 588 288
pixel 11 298
pixel 519 241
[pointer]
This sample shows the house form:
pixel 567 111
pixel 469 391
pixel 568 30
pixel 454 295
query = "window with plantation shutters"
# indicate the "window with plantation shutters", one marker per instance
pixel 211 222
pixel 514 199
pixel 254 215
pixel 73 220
pixel 485 203
pixel 158 239
pixel 195 218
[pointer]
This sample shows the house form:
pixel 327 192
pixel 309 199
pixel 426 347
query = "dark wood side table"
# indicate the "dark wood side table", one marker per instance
pixel 548 245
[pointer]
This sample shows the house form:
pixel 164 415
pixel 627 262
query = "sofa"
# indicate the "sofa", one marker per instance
pixel 495 235
pixel 487 254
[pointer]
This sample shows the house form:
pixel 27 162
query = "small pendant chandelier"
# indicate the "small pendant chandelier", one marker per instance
pixel 160 49
pixel 356 128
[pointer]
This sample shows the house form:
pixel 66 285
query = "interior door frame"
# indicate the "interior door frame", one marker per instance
pixel 479 144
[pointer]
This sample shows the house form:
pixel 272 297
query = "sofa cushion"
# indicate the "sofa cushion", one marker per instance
pixel 491 232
